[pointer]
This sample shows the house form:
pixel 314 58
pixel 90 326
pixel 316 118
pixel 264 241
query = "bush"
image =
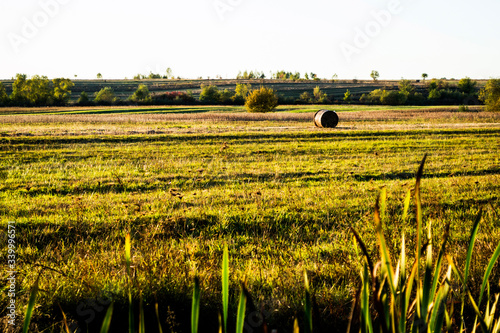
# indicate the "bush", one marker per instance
pixel 141 95
pixel 262 100
pixel 490 95
pixel 105 96
pixel 173 97
pixel 393 97
pixel 83 99
pixel 305 97
pixel 467 86
pixel 209 94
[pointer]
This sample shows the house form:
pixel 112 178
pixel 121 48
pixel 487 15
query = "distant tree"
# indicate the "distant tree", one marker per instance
pixel 225 96
pixel 313 75
pixel 306 76
pixel 320 96
pixel 241 92
pixel 393 97
pixel 141 95
pixel 467 86
pixel 374 75
pixel 347 96
pixel 19 90
pixel 169 73
pixel 406 87
pixel 105 96
pixel 62 90
pixel 209 94
pixel 4 98
pixel 424 76
pixel 306 97
pixel 83 99
pixel 39 91
pixel 261 100
pixel 154 76
pixel 99 75
pixel 335 77
pixel 490 95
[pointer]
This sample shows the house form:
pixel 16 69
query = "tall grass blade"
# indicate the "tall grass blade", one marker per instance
pixel 487 273
pixel 107 320
pixel 129 276
pixel 142 328
pixel 195 308
pixel 296 326
pixel 307 306
pixel 479 316
pixel 366 322
pixel 363 248
pixel 160 330
pixel 240 316
pixel 418 205
pixel 225 286
pixel 31 306
pixel 406 205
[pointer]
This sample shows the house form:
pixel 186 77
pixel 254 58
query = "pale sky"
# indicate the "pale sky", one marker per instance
pixel 398 38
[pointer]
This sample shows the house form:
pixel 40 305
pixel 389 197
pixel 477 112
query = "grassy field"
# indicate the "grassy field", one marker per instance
pixel 279 192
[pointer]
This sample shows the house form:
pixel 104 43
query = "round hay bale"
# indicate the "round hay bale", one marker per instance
pixel 326 118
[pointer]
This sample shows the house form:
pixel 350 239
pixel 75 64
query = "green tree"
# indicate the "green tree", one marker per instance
pixel 19 90
pixel 61 90
pixel 226 96
pixel 306 97
pixel 320 96
pixel 347 96
pixel 374 75
pixel 467 85
pixel 424 76
pixel 393 97
pixel 209 94
pixel 262 100
pixel 406 87
pixel 141 95
pixel 490 95
pixel 306 76
pixel 241 92
pixel 39 91
pixel 169 73
pixel 83 99
pixel 99 75
pixel 105 96
pixel 4 98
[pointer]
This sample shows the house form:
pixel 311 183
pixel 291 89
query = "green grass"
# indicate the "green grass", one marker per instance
pixel 283 202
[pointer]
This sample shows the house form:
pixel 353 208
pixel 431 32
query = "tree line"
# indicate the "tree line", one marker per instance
pixel 40 91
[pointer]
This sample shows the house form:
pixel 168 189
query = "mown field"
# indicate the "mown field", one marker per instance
pixel 279 192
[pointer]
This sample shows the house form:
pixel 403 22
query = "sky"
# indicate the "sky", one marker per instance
pixel 210 38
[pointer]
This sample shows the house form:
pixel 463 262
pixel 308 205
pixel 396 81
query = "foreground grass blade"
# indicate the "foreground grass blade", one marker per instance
pixel 142 326
pixel 240 316
pixel 107 320
pixel 160 330
pixel 129 276
pixel 195 308
pixel 493 259
pixel 307 306
pixel 479 316
pixel 225 286
pixel 31 306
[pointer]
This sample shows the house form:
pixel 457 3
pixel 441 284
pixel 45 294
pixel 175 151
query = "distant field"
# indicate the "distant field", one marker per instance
pixel 280 192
